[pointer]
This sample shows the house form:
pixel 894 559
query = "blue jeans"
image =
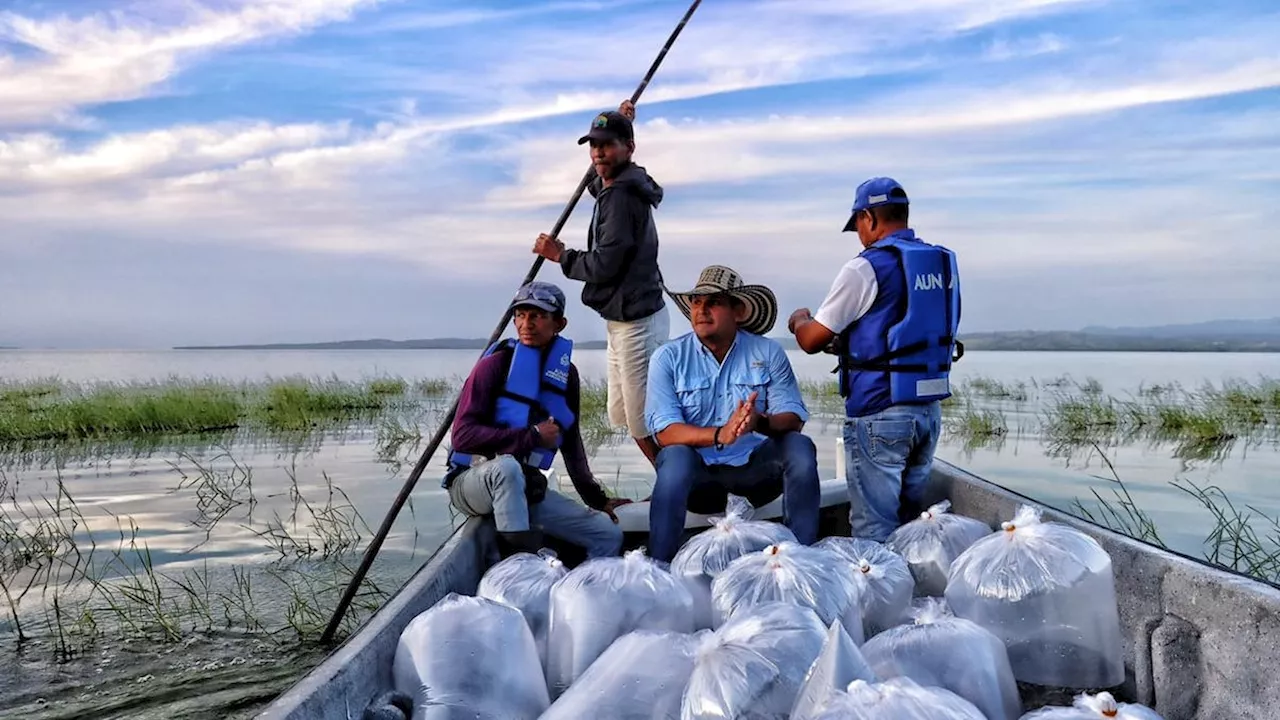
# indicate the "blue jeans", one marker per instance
pixel 787 465
pixel 497 487
pixel 888 456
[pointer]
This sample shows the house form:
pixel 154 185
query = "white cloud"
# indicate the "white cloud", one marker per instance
pixel 114 56
pixel 754 148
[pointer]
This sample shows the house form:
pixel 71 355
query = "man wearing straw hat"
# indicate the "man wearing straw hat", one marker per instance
pixel 891 316
pixel 726 410
pixel 619 268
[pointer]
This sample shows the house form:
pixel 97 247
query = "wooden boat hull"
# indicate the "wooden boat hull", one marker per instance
pixel 1200 643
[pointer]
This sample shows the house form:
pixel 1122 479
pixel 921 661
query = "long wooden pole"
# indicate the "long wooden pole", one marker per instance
pixel 375 545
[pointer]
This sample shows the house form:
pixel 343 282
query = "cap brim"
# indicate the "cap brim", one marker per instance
pixel 852 224
pixel 597 134
pixel 535 303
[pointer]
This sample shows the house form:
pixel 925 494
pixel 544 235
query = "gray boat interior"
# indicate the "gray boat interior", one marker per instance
pixel 1200 642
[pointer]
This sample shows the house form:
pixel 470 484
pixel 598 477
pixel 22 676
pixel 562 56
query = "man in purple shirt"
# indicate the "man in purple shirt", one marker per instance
pixel 517 408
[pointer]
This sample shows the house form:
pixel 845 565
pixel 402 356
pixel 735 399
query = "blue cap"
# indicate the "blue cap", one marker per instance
pixel 873 193
pixel 540 294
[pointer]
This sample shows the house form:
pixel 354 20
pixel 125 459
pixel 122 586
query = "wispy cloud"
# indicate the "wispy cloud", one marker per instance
pixel 123 55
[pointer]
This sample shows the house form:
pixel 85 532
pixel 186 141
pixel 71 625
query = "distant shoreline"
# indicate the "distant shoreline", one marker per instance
pixel 1015 341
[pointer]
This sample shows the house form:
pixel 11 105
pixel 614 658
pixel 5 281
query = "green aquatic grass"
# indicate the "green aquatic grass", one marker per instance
pixel 51 410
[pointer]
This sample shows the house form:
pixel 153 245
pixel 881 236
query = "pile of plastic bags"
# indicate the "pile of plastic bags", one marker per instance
pixel 747 624
pixel 944 651
pixel 524 582
pixel 930 542
pixel 792 573
pixel 705 555
pixel 886 580
pixel 603 599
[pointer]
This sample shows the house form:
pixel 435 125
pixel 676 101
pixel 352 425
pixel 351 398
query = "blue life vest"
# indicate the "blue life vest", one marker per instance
pixel 534 390
pixel 900 352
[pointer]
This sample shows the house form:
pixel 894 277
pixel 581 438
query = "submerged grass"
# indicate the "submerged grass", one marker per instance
pixel 1242 539
pixel 68 584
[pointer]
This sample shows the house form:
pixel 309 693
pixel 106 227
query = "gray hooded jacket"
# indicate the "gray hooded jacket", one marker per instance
pixel 619 268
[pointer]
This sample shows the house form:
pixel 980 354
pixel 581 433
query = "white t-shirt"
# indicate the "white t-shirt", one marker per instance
pixel 851 295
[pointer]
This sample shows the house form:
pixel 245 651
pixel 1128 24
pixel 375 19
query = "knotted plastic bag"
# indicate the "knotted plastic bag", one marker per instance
pixel 839 664
pixel 932 541
pixel 470 658
pixel 752 667
pixel 707 554
pixel 603 599
pixel 941 650
pixel 524 582
pixel 888 585
pixel 896 699
pixel 1047 591
pixel 790 572
pixel 1095 707
pixel 642 676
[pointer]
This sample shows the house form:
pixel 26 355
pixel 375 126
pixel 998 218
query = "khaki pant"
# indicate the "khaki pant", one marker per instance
pixel 630 345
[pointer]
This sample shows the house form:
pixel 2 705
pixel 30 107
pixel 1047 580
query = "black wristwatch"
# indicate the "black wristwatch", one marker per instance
pixel 715 439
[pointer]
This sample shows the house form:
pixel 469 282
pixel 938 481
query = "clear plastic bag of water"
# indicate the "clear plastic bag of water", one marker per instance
pixel 1047 591
pixel 642 676
pixel 603 599
pixel 895 699
pixel 470 658
pixel 888 585
pixel 931 542
pixel 1102 706
pixel 752 667
pixel 524 582
pixel 839 664
pixel 790 572
pixel 707 554
pixel 939 649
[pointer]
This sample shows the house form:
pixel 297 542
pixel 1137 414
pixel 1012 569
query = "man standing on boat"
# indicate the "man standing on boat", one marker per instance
pixel 619 268
pixel 726 410
pixel 893 313
pixel 519 406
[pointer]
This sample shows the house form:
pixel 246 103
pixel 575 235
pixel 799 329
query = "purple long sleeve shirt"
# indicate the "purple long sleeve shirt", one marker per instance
pixel 474 429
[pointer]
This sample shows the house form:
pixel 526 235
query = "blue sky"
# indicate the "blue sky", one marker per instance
pixel 219 171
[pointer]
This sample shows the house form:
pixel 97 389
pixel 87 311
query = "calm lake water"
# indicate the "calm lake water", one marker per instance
pixel 358 470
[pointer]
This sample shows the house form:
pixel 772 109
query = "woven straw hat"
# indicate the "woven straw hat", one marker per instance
pixel 762 306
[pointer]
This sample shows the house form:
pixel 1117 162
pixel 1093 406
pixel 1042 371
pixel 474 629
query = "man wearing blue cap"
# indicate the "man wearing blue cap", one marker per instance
pixel 891 317
pixel 619 268
pixel 517 408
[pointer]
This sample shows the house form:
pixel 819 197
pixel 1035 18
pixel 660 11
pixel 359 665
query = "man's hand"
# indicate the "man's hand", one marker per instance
pixel 612 503
pixel 548 433
pixel 741 422
pixel 628 109
pixel 548 247
pixel 797 317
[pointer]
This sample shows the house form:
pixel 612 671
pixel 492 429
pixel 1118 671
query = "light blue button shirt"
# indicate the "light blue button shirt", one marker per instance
pixel 687 385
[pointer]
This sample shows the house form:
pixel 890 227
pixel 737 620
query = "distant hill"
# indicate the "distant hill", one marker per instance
pixel 1028 340
pixel 1212 336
